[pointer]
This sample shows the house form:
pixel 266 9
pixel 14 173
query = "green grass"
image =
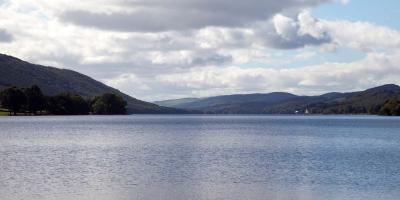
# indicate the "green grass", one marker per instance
pixel 3 112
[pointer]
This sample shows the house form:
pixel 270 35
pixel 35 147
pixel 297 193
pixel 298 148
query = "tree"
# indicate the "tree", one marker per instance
pixel 35 99
pixel 391 108
pixel 80 106
pixel 108 104
pixel 68 104
pixel 13 99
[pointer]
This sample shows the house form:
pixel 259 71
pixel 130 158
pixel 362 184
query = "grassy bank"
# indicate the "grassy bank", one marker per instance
pixel 3 112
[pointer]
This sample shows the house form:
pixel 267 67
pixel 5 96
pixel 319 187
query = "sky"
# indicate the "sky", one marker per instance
pixel 167 49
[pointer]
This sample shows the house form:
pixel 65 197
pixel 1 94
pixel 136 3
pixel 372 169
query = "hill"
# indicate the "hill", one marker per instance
pixel 364 102
pixel 234 104
pixel 16 72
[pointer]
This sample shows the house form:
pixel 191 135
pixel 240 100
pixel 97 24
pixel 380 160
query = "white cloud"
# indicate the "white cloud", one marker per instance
pixel 309 25
pixel 305 55
pixel 127 82
pixel 373 70
pixel 164 15
pixel 345 2
pixel 5 36
pixel 285 26
pixel 289 33
pixel 210 56
pixel 363 35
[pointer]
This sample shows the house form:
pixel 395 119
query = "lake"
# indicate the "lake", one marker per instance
pixel 200 157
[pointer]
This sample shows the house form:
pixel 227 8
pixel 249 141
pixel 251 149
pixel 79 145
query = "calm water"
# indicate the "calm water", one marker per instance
pixel 199 157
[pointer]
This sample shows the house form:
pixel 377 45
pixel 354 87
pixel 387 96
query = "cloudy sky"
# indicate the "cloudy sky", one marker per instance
pixel 163 49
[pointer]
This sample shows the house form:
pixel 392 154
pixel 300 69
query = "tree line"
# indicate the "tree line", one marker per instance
pixel 390 108
pixel 32 101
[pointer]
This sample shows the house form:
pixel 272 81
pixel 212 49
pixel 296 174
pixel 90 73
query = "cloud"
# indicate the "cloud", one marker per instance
pixel 305 55
pixel 305 30
pixel 215 59
pixel 165 15
pixel 200 55
pixel 375 69
pixel 5 36
pixel 288 33
pixel 362 35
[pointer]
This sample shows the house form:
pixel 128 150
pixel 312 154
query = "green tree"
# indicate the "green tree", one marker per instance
pixel 13 99
pixel 108 104
pixel 36 101
pixel 391 108
pixel 67 104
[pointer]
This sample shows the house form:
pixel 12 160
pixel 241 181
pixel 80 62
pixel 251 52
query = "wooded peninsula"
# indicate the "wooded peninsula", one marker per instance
pixel 31 101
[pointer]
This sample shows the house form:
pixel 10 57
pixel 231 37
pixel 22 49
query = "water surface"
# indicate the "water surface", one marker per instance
pixel 200 157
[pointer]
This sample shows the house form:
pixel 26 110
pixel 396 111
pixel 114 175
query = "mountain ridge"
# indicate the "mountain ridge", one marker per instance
pixel 360 102
pixel 16 72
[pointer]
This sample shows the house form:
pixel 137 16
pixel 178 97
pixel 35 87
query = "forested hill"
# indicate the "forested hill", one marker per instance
pixel 16 72
pixel 371 101
pixel 380 100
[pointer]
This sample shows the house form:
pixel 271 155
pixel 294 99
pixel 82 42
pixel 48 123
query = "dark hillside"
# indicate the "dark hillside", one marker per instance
pixel 365 102
pixel 15 72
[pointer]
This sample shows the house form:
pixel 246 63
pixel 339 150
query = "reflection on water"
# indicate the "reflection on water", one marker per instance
pixel 199 157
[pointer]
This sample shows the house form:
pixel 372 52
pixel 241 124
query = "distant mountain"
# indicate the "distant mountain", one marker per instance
pixel 369 101
pixel 233 104
pixel 364 102
pixel 15 72
pixel 176 102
